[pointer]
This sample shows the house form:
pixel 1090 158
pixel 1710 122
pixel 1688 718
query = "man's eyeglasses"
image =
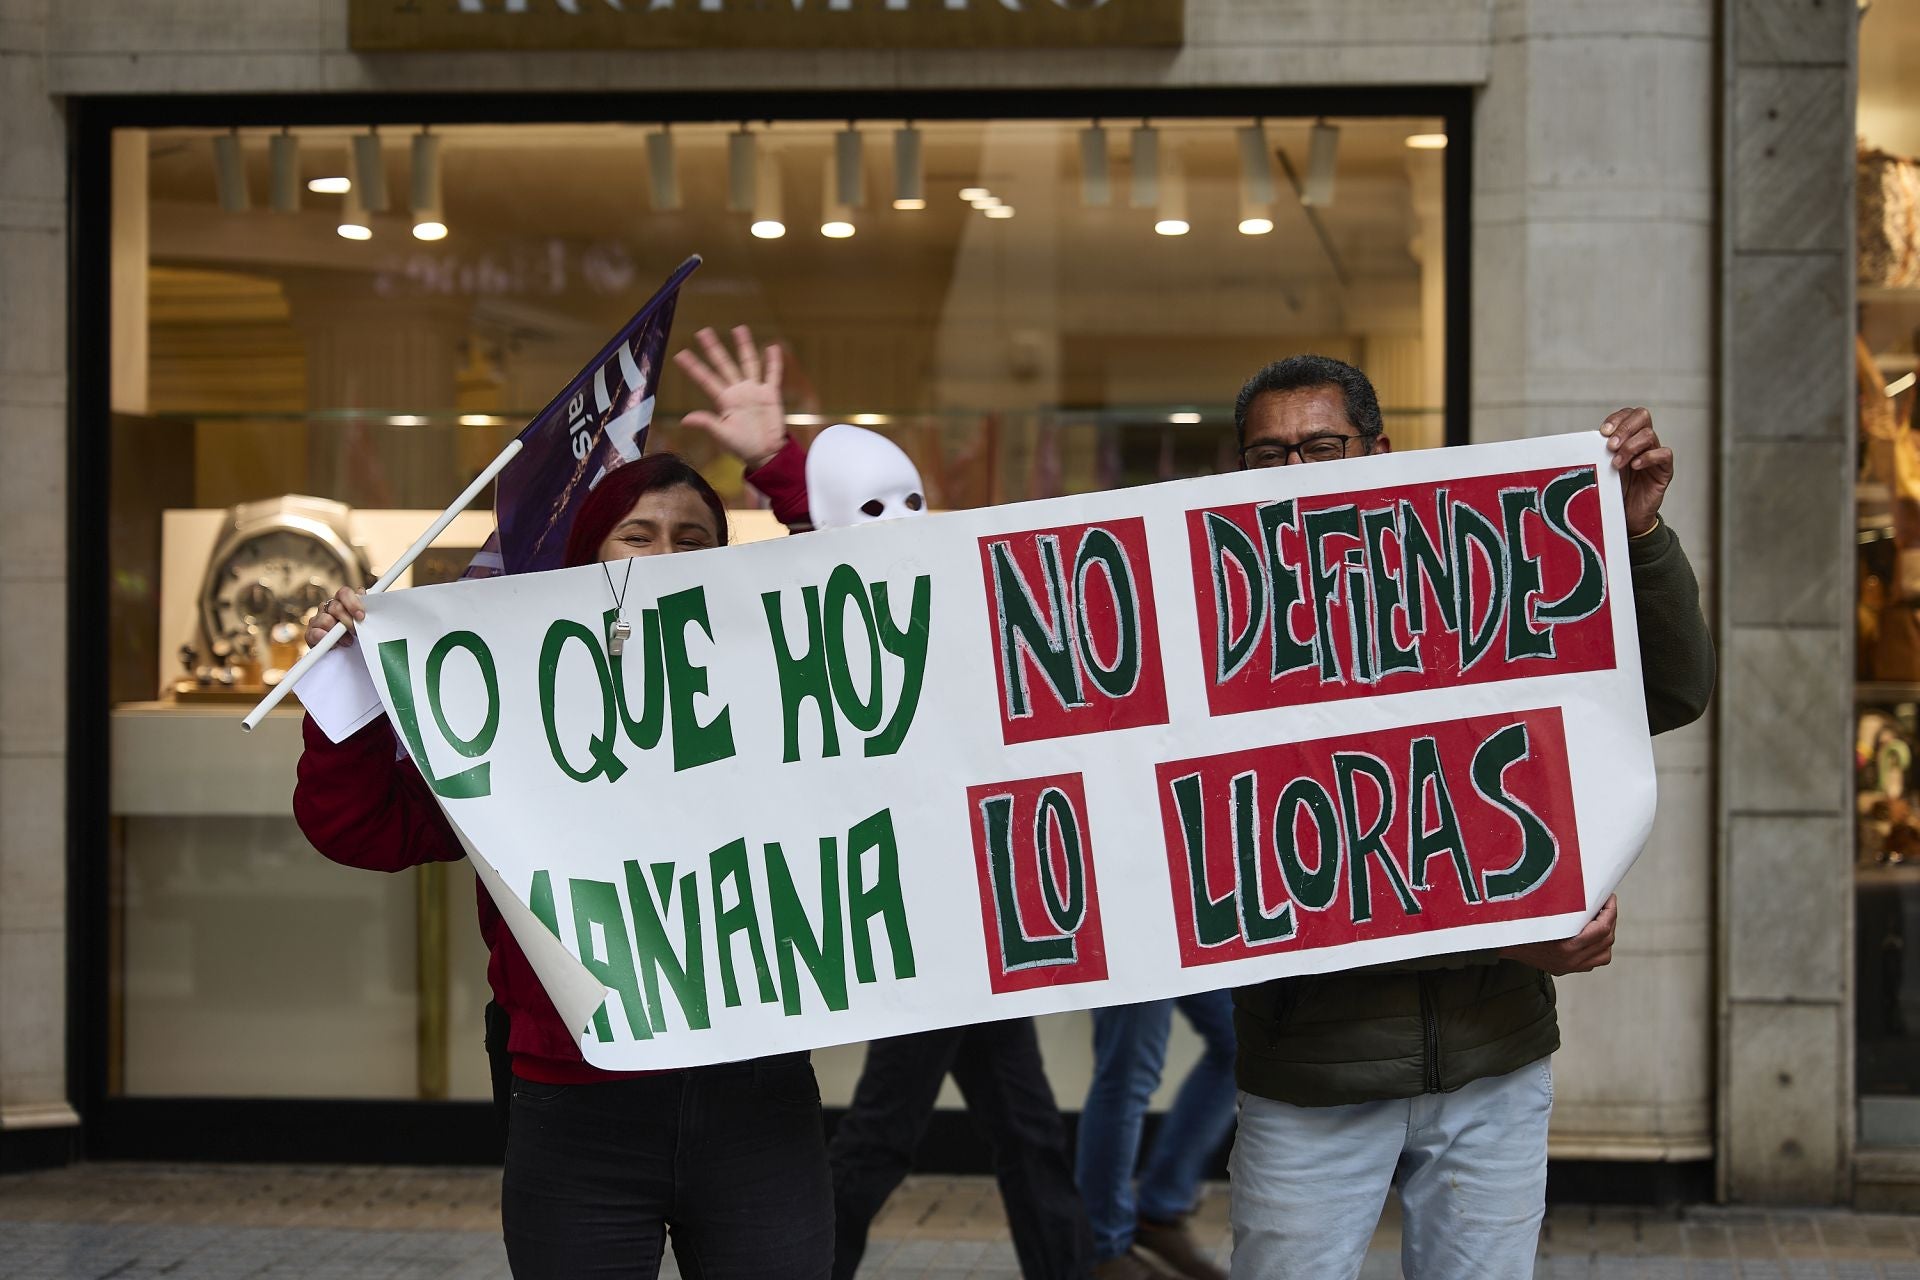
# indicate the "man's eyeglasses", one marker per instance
pixel 1313 449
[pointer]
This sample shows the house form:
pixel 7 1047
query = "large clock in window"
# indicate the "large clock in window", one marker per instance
pixel 274 566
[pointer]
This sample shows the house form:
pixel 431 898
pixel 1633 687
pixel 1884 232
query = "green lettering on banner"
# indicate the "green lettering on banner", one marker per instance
pixel 1256 926
pixel 643 733
pixel 1068 909
pixel 1426 559
pixel 843 588
pixel 597 902
pixel 1017 950
pixel 1389 593
pixel 882 898
pixel 1324 578
pixel 471 782
pixel 909 644
pixel 603 761
pixel 729 866
pixel 803 678
pixel 1100 549
pixel 1442 835
pixel 1289 652
pixel 1362 845
pixel 1586 595
pixel 1470 529
pixel 1314 889
pixel 1523 577
pixel 693 743
pixel 540 902
pixel 1213 918
pixel 825 953
pixel 1539 850
pixel 687 975
pixel 1228 541
pixel 1021 628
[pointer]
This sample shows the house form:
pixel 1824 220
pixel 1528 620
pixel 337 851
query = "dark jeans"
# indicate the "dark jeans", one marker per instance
pixel 997 1066
pixel 728 1161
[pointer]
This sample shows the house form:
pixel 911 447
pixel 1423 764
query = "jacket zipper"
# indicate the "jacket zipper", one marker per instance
pixel 1430 1034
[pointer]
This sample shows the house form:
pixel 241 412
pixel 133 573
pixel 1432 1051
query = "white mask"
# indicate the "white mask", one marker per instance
pixel 856 477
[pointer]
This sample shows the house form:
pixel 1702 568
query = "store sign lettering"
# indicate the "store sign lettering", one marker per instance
pixel 375 25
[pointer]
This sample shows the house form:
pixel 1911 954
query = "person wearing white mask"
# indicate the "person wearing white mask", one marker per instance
pixel 855 476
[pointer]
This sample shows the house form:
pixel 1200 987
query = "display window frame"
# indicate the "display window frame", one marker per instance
pixel 449 1132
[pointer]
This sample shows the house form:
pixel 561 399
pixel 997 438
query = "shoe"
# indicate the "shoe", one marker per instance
pixel 1169 1249
pixel 1127 1266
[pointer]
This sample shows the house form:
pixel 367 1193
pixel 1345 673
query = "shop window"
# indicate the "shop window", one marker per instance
pixel 1029 307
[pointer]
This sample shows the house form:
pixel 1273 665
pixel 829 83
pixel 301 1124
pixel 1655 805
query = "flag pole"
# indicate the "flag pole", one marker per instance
pixel 399 567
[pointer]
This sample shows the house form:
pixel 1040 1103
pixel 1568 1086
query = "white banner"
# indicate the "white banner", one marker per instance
pixel 1069 753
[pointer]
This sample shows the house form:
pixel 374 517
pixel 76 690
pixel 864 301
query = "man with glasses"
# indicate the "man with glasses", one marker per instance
pixel 1432 1077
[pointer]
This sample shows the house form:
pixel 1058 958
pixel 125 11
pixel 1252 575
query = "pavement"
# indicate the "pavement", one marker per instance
pixel 228 1222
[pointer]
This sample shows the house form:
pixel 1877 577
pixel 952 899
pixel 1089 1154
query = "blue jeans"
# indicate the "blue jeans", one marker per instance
pixel 1470 1166
pixel 1129 1050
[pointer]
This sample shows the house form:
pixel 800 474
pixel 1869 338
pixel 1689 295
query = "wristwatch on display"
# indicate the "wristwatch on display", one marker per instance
pixel 276 563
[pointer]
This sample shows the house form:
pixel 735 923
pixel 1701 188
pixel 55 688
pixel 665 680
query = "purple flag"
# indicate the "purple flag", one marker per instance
pixel 597 423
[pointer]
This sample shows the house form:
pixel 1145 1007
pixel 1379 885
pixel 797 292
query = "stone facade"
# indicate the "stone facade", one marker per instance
pixel 1640 236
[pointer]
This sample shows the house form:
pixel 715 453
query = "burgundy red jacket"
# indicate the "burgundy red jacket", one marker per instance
pixel 363 806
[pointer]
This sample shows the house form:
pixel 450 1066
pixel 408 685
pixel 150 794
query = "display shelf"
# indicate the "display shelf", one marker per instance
pixel 1869 692
pixel 1908 294
pixel 177 759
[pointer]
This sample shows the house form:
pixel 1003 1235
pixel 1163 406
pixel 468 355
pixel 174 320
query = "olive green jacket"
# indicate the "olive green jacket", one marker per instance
pixel 1434 1025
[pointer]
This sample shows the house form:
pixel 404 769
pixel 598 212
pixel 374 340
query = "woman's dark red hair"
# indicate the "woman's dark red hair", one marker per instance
pixel 625 485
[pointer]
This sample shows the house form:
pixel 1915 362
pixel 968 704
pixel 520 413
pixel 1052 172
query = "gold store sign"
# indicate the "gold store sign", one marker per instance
pixel 389 25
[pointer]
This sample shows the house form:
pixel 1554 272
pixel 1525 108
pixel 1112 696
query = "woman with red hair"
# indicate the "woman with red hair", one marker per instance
pixel 603 1167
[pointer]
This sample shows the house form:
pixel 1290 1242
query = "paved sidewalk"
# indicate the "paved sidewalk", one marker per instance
pixel 201 1222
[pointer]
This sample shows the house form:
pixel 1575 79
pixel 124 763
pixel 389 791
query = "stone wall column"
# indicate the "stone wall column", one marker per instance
pixel 1785 624
pixel 1593 284
pixel 34 1105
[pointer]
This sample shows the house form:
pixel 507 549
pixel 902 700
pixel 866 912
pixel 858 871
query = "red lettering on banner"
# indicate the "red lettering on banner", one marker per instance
pixel 1076 639
pixel 1039 904
pixel 1403 830
pixel 1423 586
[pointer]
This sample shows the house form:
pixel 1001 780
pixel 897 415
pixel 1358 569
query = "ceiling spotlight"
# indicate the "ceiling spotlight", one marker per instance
pixel 999 211
pixel 331 186
pixel 909 173
pixel 1256 180
pixel 354 223
pixel 1096 187
pixel 1322 146
pixel 1171 216
pixel 988 202
pixel 849 168
pixel 429 215
pixel 1145 193
pixel 663 176
pixel 971 194
pixel 768 221
pixel 836 219
pixel 230 172
pixel 742 170
pixel 1427 141
pixel 283 162
pixel 1183 419
pixel 370 171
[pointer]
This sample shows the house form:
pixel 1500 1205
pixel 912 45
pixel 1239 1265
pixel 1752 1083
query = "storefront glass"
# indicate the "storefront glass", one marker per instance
pixel 1887 866
pixel 1052 334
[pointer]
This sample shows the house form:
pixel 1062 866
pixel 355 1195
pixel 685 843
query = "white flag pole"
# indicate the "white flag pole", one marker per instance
pixel 399 567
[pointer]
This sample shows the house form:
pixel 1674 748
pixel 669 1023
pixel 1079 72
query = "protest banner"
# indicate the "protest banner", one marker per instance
pixel 1047 756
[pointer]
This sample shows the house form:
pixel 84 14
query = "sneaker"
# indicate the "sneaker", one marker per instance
pixel 1127 1266
pixel 1169 1249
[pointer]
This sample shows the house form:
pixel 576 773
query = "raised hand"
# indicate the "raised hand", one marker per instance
pixel 343 610
pixel 1644 464
pixel 748 419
